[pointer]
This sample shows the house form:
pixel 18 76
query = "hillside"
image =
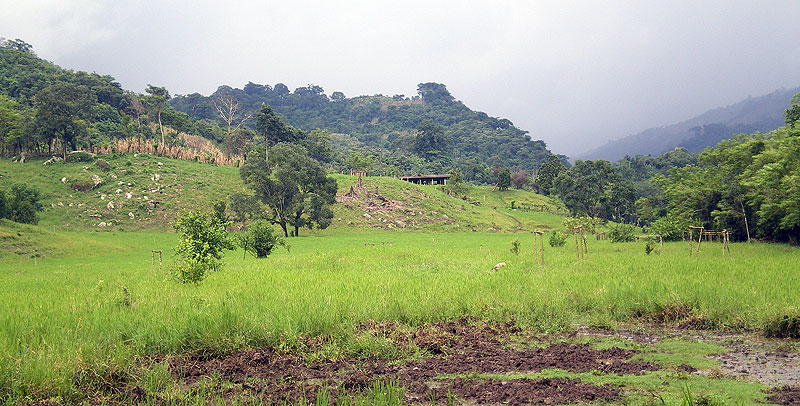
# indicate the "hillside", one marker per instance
pixel 387 125
pixel 754 114
pixel 142 192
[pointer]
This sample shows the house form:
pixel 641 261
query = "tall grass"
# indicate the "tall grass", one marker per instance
pixel 75 321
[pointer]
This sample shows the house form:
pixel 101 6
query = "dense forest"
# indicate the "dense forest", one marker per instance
pixel 429 132
pixel 47 110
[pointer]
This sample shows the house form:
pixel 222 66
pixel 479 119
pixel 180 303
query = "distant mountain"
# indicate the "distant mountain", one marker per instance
pixel 753 114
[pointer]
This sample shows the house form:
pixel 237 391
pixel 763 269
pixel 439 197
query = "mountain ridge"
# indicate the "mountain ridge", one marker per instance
pixel 753 114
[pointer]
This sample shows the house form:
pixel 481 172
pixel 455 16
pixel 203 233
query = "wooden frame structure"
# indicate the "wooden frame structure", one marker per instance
pixel 600 235
pixel 660 238
pixel 540 234
pixel 580 242
pixel 694 246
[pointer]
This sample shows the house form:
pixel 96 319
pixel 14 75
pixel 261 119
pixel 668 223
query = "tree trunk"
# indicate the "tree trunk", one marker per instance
pixel 162 130
pixel 744 214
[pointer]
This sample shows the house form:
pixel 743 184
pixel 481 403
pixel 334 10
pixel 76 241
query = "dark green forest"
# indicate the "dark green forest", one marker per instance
pixel 430 132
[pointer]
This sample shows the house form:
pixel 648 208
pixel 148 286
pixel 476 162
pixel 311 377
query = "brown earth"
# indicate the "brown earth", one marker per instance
pixel 453 353
pixel 787 395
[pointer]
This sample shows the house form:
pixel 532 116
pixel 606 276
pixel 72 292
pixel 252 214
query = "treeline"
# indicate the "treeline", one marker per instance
pixel 47 110
pixel 748 185
pixel 430 132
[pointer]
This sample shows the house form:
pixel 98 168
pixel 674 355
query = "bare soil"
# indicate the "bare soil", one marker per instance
pixel 455 351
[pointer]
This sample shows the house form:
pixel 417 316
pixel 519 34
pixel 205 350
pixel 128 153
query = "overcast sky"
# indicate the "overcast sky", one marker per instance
pixel 574 74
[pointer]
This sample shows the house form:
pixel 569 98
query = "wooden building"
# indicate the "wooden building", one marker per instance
pixel 427 179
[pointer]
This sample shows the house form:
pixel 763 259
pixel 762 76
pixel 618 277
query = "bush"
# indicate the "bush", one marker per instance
pixel 203 240
pixel 515 247
pixel 103 164
pixel 557 239
pixel 21 204
pixel 589 223
pixel 260 239
pixel 621 232
pixel 670 227
pixel 80 156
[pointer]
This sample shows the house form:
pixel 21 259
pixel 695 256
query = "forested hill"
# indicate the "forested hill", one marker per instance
pixel 754 114
pixel 386 126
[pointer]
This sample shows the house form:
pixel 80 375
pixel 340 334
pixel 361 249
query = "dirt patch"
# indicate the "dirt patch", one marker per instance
pixel 455 351
pixel 787 395
pixel 771 362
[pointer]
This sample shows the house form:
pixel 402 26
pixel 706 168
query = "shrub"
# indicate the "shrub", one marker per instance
pixel 82 185
pixel 515 247
pixel 260 239
pixel 621 232
pixel 670 227
pixel 203 240
pixel 103 164
pixel 21 204
pixel 80 156
pixel 589 223
pixel 557 239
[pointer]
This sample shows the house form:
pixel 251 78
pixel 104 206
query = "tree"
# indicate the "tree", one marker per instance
pixel 548 171
pixel 519 179
pixel 229 111
pixel 792 114
pixel 156 101
pixel 337 96
pixel 431 143
pixel 294 187
pixel 270 126
pixel 595 189
pixel 11 125
pixel 504 179
pixel 200 247
pixel 61 111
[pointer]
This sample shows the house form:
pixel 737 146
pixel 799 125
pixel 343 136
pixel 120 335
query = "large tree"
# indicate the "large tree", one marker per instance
pixel 294 187
pixel 595 189
pixel 547 173
pixel 61 110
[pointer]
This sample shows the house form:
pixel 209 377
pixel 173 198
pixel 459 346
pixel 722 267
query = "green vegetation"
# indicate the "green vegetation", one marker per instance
pixel 68 316
pixel 201 245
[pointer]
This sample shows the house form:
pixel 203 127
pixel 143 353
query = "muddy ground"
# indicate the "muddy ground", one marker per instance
pixel 471 361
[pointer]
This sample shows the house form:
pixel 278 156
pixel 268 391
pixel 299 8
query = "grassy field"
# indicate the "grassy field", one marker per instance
pixel 95 309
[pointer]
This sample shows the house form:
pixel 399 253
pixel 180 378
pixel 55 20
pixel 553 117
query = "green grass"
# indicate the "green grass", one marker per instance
pixel 65 321
pixel 191 185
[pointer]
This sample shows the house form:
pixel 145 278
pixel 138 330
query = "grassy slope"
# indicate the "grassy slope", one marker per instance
pixel 190 185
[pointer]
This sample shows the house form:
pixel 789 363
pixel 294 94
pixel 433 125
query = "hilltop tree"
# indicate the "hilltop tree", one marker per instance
pixel 229 110
pixel 294 187
pixel 270 126
pixel 792 114
pixel 156 101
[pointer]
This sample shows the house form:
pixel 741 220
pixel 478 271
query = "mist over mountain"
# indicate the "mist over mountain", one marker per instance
pixel 754 114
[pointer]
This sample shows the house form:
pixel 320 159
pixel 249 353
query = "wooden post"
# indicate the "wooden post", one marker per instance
pixel 580 242
pixel 541 249
pixel 153 260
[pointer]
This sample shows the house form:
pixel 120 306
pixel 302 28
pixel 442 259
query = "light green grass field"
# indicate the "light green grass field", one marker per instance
pixel 99 307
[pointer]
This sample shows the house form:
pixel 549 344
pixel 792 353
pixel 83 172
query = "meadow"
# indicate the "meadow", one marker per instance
pixel 95 311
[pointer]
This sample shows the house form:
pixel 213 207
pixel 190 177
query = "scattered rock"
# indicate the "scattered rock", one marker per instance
pixel 103 224
pixel 60 204
pixel 63 180
pixel 52 160
pixel 155 177
pixel 130 214
pixel 110 206
pixel 367 215
pixel 498 266
pixel 97 180
pixel 128 195
pixel 118 191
